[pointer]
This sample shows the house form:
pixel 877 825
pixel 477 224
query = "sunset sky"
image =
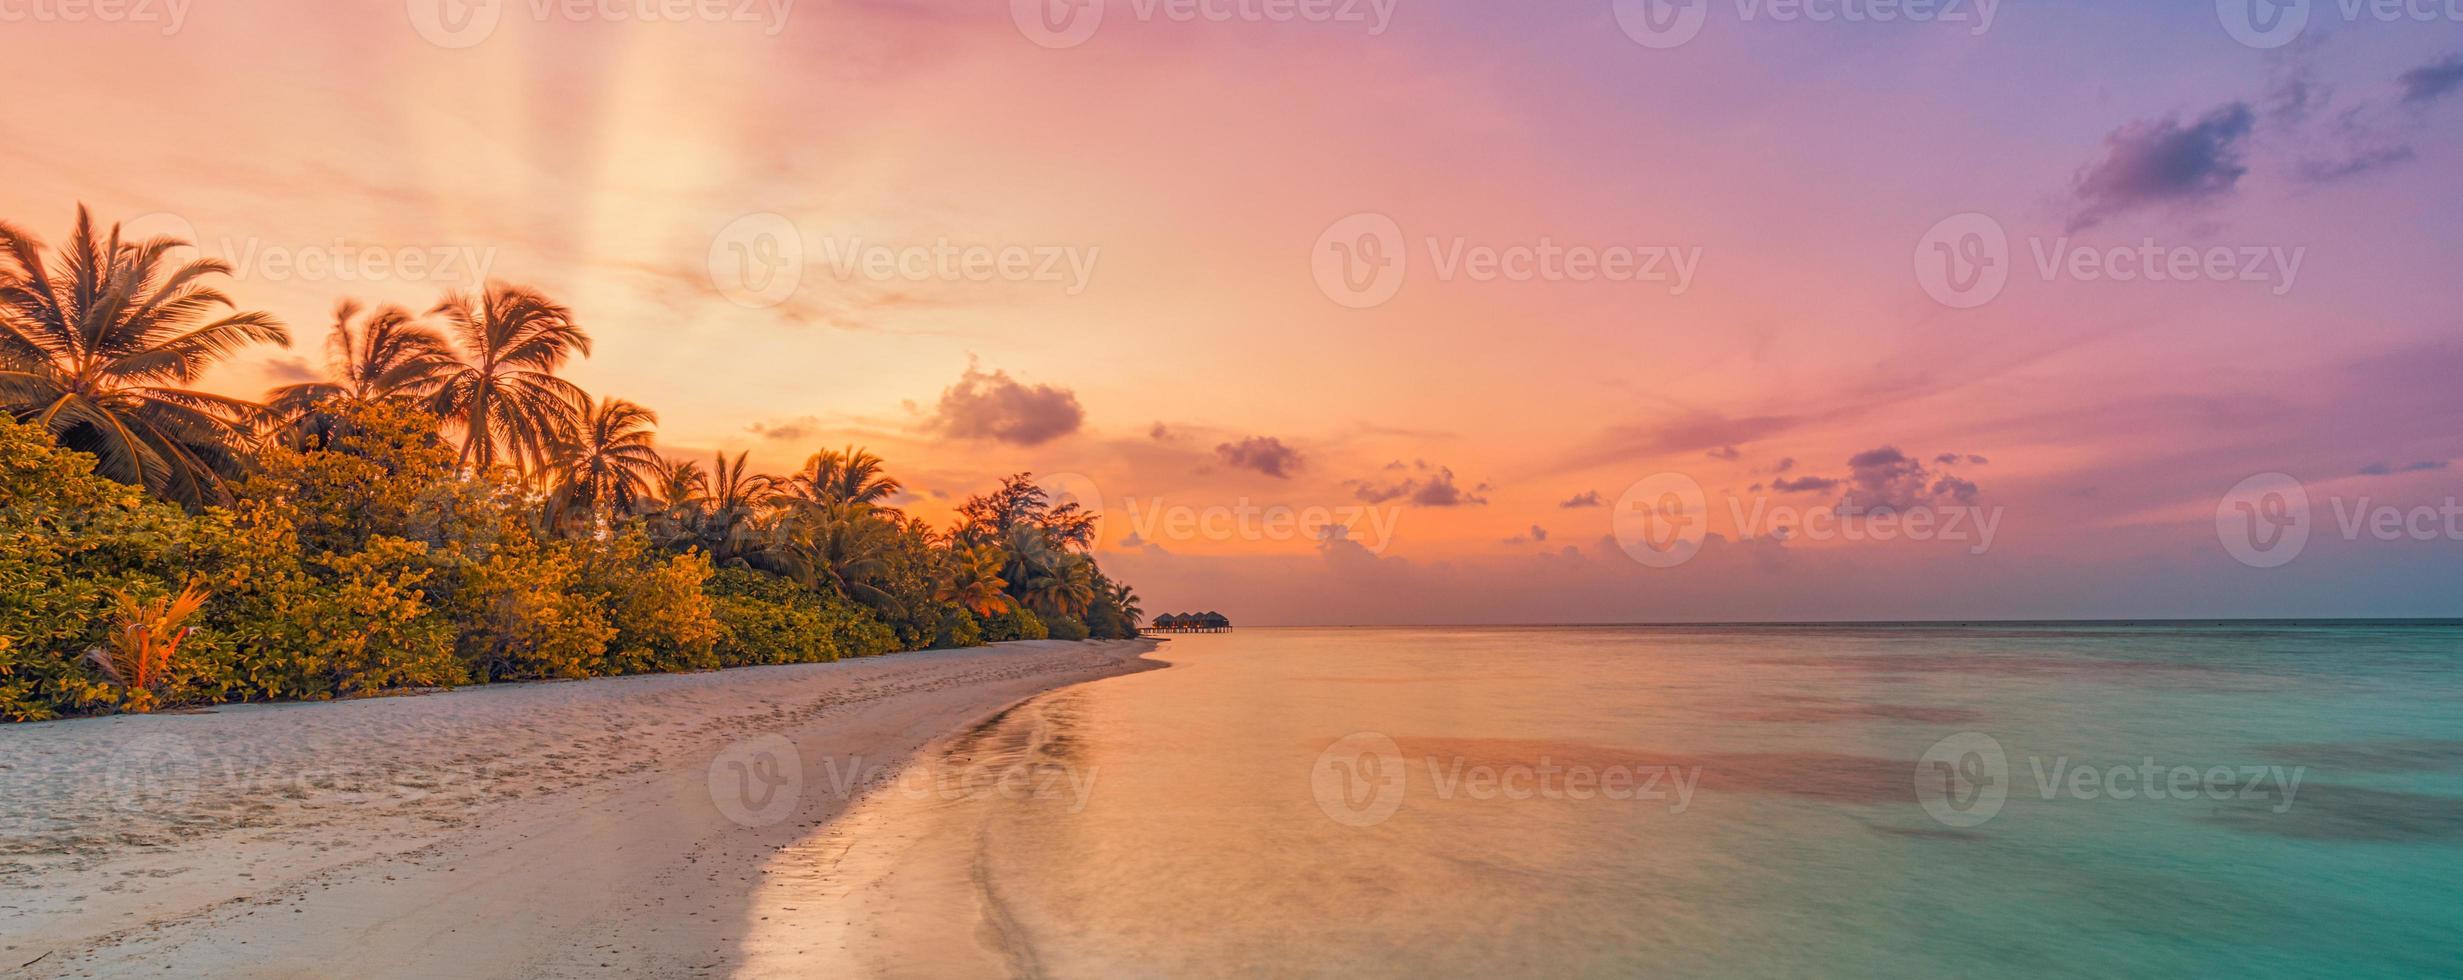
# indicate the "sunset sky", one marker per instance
pixel 1174 186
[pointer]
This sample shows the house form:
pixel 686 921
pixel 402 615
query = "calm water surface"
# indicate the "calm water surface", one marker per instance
pixel 2049 800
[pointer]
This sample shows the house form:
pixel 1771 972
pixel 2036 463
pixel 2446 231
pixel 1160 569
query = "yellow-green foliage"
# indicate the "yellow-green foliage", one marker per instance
pixel 71 543
pixel 662 618
pixel 769 620
pixel 523 613
pixel 1018 623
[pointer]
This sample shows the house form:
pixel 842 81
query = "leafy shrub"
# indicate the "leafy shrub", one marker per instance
pixel 72 543
pixel 522 613
pixel 662 618
pixel 958 629
pixel 1065 628
pixel 1017 623
pixel 765 619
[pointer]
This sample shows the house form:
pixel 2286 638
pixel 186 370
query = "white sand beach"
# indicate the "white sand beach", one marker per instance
pixel 614 827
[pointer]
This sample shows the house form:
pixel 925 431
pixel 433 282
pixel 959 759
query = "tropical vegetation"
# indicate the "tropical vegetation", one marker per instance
pixel 443 508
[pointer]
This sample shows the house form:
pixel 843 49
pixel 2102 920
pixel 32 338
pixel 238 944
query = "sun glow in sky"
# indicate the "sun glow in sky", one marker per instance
pixel 1120 259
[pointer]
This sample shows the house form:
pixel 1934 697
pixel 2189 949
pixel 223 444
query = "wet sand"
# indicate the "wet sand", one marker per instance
pixel 617 827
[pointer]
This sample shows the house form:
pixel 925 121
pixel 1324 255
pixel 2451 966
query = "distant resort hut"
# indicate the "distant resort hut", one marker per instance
pixel 1205 622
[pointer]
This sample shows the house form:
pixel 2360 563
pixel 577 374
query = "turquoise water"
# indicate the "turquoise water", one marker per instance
pixel 1309 802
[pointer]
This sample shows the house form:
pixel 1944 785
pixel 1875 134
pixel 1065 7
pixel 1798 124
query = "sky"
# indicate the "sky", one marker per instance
pixel 1383 311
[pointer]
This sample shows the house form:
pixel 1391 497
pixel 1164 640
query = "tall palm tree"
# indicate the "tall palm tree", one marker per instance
pixel 608 464
pixel 104 349
pixel 1125 599
pixel 840 547
pixel 681 485
pixel 972 579
pixel 504 396
pixel 387 356
pixel 849 476
pixel 738 499
pixel 1066 588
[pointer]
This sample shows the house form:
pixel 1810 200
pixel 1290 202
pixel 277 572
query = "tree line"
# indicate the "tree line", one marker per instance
pixel 442 508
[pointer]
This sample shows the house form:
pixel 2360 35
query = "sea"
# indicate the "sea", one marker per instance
pixel 2246 799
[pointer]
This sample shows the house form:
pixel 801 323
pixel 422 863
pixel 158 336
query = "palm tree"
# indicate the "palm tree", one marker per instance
pixel 849 476
pixel 388 356
pixel 1067 588
pixel 738 498
pixel 504 396
pixel 1124 599
pixel 972 579
pixel 608 464
pixel 841 547
pixel 681 486
pixel 103 352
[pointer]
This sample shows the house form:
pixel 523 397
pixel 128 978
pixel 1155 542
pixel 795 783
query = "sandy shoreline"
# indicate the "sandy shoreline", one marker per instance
pixel 608 827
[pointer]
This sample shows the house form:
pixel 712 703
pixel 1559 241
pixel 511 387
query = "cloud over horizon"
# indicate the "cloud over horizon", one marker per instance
pixel 995 407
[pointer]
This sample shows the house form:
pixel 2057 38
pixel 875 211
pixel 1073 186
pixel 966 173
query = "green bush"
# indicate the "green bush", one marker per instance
pixel 70 543
pixel 958 629
pixel 1065 628
pixel 765 619
pixel 1018 623
pixel 663 619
